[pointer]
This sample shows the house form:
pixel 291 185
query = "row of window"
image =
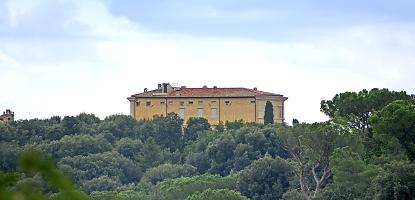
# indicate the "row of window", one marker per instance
pixel 200 113
pixel 182 103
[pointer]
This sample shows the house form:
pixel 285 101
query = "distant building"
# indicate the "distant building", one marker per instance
pixel 7 116
pixel 215 104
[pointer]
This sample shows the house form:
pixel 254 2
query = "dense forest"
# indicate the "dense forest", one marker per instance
pixel 366 150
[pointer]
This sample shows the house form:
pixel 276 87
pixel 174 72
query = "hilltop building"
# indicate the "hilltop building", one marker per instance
pixel 215 104
pixel 7 116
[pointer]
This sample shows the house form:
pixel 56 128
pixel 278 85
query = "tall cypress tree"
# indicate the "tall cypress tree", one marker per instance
pixel 269 113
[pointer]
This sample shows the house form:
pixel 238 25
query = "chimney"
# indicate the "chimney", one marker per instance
pixel 215 87
pixel 255 88
pixel 164 89
pixel 183 87
pixel 145 89
pixel 204 86
pixel 159 86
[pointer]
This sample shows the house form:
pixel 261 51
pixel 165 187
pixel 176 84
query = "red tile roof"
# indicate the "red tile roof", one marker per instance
pixel 207 92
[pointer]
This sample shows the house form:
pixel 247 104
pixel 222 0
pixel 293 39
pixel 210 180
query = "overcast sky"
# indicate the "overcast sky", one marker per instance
pixel 66 57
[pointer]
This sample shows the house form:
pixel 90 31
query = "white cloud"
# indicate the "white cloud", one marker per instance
pixel 69 76
pixel 18 9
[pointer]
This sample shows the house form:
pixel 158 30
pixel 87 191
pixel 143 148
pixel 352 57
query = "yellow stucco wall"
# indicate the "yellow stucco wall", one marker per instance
pixel 227 109
pixel 146 108
pixel 277 104
pixel 192 107
pixel 237 108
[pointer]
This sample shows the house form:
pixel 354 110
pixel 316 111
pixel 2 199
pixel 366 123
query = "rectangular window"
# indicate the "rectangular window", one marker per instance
pixel 200 112
pixel 213 113
pixel 190 102
pixel 200 103
pixel 213 103
pixel 137 103
pixel 181 113
pixel 253 101
pixel 228 103
pixel 148 103
pixel 170 102
pixel 181 103
pixel 162 102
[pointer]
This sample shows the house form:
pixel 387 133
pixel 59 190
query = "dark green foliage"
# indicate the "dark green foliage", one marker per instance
pixel 269 113
pixel 244 154
pixel 295 122
pixel 237 124
pixel 73 145
pixel 196 154
pixel 130 195
pixel 397 181
pixel 356 108
pixel 274 145
pixel 311 147
pixel 294 195
pixel 234 149
pixel 200 160
pixel 122 158
pixel 195 126
pixel 83 168
pixel 180 188
pixel 151 154
pixel 103 195
pixel 129 148
pixel 88 118
pixel 220 127
pixel 118 125
pixel 352 176
pixel 165 171
pixel 8 133
pixel 32 131
pixel 71 125
pixel 266 178
pixel 221 152
pixel 212 194
pixel 397 120
pixel 168 131
pixel 145 129
pixel 113 195
pixel 102 183
pixel 8 155
pixel 32 162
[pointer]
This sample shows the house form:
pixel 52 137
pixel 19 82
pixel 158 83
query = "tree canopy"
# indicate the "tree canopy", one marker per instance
pixel 356 108
pixel 364 151
pixel 397 120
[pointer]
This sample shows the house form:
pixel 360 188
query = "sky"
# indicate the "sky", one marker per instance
pixel 64 57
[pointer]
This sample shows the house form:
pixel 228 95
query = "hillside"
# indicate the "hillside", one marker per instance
pixel 365 151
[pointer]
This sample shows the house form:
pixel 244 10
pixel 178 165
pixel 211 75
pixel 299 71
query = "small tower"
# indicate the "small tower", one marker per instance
pixel 7 116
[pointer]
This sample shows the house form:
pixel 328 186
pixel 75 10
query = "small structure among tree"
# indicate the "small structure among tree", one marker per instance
pixel 7 116
pixel 269 113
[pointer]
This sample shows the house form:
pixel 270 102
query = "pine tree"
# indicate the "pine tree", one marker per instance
pixel 269 113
